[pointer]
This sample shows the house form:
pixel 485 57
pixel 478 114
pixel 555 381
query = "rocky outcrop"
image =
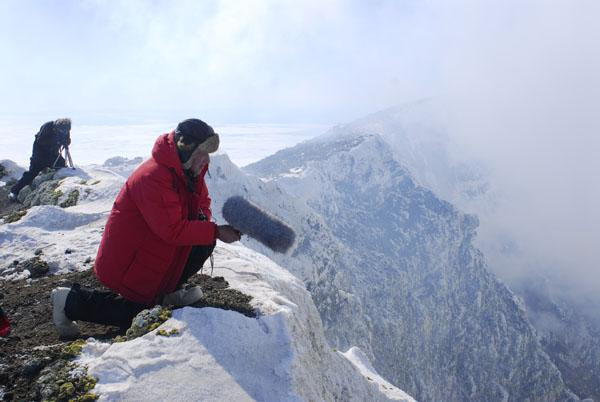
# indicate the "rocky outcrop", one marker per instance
pixel 44 191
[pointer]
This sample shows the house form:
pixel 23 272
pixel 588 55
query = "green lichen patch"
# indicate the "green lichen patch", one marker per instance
pixel 147 321
pixel 57 194
pixel 65 381
pixel 88 397
pixel 3 171
pixel 164 332
pixel 15 216
pixel 73 349
pixel 120 338
pixel 94 182
pixel 71 199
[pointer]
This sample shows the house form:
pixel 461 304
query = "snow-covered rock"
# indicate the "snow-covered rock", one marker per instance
pixel 10 171
pixel 54 229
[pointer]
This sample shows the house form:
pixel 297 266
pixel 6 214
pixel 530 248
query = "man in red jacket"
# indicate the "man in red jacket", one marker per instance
pixel 159 233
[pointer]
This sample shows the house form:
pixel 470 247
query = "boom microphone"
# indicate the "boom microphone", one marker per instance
pixel 256 223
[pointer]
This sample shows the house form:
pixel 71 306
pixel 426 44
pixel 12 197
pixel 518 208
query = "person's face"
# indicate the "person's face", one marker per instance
pixel 186 145
pixel 199 160
pixel 185 148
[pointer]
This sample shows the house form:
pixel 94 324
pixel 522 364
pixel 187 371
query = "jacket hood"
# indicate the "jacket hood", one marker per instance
pixel 165 153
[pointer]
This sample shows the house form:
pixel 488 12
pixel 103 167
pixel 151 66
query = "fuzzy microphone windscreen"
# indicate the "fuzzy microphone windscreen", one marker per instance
pixel 253 221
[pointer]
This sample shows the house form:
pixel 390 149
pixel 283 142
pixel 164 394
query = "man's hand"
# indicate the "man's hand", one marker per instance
pixel 228 234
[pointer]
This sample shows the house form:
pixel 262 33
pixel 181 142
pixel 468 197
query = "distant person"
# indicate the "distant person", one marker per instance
pixel 159 233
pixel 47 146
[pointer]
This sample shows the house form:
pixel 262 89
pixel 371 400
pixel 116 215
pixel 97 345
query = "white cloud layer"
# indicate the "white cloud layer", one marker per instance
pixel 521 82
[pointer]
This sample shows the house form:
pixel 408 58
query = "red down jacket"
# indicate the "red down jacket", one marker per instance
pixel 152 227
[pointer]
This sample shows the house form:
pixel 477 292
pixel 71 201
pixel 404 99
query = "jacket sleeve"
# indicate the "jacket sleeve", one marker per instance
pixel 160 207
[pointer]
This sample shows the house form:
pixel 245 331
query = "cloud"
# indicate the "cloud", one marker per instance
pixel 521 85
pixel 261 60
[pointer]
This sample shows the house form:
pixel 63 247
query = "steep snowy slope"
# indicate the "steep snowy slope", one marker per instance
pixel 216 355
pixel 418 136
pixel 436 322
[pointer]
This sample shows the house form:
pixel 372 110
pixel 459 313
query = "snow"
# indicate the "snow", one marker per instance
pixel 243 358
pixel 280 355
pixel 358 358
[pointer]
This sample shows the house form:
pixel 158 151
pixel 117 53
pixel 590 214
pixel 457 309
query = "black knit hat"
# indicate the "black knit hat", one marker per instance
pixel 196 129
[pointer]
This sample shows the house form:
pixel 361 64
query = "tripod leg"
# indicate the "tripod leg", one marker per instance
pixel 68 153
pixel 57 158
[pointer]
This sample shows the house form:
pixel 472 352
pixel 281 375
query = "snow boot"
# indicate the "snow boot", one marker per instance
pixel 66 328
pixel 183 297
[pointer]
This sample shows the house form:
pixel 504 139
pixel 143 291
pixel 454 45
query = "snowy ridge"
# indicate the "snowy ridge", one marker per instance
pixel 217 355
pixel 417 135
pixel 362 363
pixel 281 355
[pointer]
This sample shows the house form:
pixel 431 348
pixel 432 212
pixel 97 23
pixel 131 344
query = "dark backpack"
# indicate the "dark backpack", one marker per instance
pixel 46 145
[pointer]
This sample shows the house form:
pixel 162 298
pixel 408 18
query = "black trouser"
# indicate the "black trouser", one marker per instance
pixel 35 167
pixel 108 308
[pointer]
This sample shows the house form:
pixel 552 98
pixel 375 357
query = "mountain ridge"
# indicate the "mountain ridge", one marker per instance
pixel 433 276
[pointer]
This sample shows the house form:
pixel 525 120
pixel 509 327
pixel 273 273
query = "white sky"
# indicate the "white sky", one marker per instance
pixel 229 61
